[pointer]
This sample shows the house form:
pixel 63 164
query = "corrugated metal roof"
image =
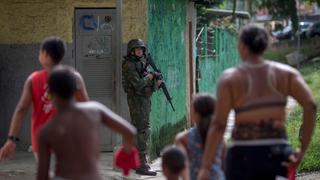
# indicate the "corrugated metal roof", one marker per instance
pixel 223 12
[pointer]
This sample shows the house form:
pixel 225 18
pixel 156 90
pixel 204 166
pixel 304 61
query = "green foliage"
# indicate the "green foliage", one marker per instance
pixel 311 73
pixel 281 9
pixel 202 12
pixel 225 23
pixel 208 3
pixel 313 1
pixel 279 56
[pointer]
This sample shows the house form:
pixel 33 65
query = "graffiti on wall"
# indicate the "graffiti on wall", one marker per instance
pixel 97 43
pixel 96 23
pixel 97 46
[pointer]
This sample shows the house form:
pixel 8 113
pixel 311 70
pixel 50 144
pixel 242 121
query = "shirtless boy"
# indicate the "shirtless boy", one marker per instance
pixel 73 133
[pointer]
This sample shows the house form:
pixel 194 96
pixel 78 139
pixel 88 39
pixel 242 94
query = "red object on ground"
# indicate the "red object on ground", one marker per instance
pixel 127 160
pixel 291 173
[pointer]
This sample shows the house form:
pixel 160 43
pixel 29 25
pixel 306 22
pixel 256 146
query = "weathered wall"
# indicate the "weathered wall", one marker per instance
pixel 31 21
pixel 190 37
pixel 17 62
pixel 134 20
pixel 166 42
pixel 24 24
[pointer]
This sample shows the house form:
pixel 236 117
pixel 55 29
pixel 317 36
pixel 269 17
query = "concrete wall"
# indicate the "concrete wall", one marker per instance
pixel 17 62
pixel 163 24
pixel 190 37
pixel 134 20
pixel 24 24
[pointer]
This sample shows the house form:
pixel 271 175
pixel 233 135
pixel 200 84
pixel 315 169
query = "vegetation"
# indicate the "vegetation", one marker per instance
pixel 311 73
pixel 279 52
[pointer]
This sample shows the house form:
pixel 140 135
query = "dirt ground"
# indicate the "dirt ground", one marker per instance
pixel 309 176
pixel 23 167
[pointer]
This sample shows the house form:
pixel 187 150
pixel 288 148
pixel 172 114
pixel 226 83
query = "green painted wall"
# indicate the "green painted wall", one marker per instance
pixel 224 45
pixel 166 42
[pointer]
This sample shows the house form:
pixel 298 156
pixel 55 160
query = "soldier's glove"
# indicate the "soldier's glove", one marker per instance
pixel 157 75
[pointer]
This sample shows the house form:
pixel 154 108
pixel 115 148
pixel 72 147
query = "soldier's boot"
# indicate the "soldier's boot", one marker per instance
pixel 144 168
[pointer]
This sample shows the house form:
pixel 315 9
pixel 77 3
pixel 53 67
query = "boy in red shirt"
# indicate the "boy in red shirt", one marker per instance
pixel 73 133
pixel 35 92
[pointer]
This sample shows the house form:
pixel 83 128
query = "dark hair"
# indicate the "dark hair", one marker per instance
pixel 204 105
pixel 255 38
pixel 55 47
pixel 174 159
pixel 62 82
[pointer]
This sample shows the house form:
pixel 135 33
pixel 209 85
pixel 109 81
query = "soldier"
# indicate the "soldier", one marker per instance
pixel 139 84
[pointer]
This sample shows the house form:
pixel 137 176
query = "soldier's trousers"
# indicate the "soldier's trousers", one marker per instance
pixel 140 107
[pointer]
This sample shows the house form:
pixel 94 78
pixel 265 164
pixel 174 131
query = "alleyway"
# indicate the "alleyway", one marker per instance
pixel 23 166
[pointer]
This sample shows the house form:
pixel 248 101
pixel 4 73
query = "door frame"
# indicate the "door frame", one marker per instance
pixel 115 139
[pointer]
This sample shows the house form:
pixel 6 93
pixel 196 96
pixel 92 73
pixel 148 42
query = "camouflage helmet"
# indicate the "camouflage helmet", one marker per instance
pixel 135 43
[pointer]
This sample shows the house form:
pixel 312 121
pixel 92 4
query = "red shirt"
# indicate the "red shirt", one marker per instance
pixel 43 108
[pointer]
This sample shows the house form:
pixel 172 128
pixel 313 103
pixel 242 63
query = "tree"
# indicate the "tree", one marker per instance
pixel 248 6
pixel 201 6
pixel 313 1
pixel 234 10
pixel 281 9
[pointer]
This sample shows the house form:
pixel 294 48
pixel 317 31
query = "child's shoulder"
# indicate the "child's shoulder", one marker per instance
pixel 38 74
pixel 92 107
pixel 47 129
pixel 182 137
pixel 89 105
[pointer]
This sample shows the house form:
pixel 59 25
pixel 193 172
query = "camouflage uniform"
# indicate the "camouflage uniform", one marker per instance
pixel 139 90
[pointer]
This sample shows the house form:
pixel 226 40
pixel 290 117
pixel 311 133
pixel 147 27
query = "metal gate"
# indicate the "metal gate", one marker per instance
pixel 217 51
pixel 95 58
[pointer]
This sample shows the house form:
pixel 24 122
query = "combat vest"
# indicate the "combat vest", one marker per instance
pixel 141 69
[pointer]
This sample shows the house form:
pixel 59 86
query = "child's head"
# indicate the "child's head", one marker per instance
pixel 202 110
pixel 173 161
pixel 62 82
pixel 52 51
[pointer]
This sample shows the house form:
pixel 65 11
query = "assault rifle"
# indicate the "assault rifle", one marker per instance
pixel 158 76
